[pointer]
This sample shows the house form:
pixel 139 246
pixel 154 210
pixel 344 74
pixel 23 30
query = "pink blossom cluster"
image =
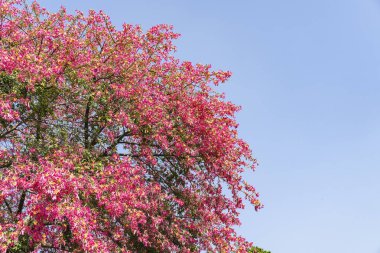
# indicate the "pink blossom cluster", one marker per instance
pixel 108 143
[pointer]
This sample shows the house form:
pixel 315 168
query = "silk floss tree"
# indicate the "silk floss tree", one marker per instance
pixel 108 143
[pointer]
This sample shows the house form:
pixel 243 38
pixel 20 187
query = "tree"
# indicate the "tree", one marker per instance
pixel 108 143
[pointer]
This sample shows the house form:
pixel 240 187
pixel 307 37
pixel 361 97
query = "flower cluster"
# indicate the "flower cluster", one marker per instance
pixel 108 143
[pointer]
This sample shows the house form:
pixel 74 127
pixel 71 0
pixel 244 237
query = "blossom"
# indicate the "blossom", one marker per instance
pixel 109 143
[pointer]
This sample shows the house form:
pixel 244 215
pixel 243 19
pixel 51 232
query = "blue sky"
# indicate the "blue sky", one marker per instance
pixel 307 74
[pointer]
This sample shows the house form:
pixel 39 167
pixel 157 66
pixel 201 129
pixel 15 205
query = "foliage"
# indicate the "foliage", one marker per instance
pixel 258 250
pixel 108 143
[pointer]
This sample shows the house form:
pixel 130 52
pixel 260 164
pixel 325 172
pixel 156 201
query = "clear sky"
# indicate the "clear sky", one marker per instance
pixel 307 74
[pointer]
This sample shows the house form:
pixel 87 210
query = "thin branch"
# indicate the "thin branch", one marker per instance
pixel 86 123
pixel 21 203
pixel 9 208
